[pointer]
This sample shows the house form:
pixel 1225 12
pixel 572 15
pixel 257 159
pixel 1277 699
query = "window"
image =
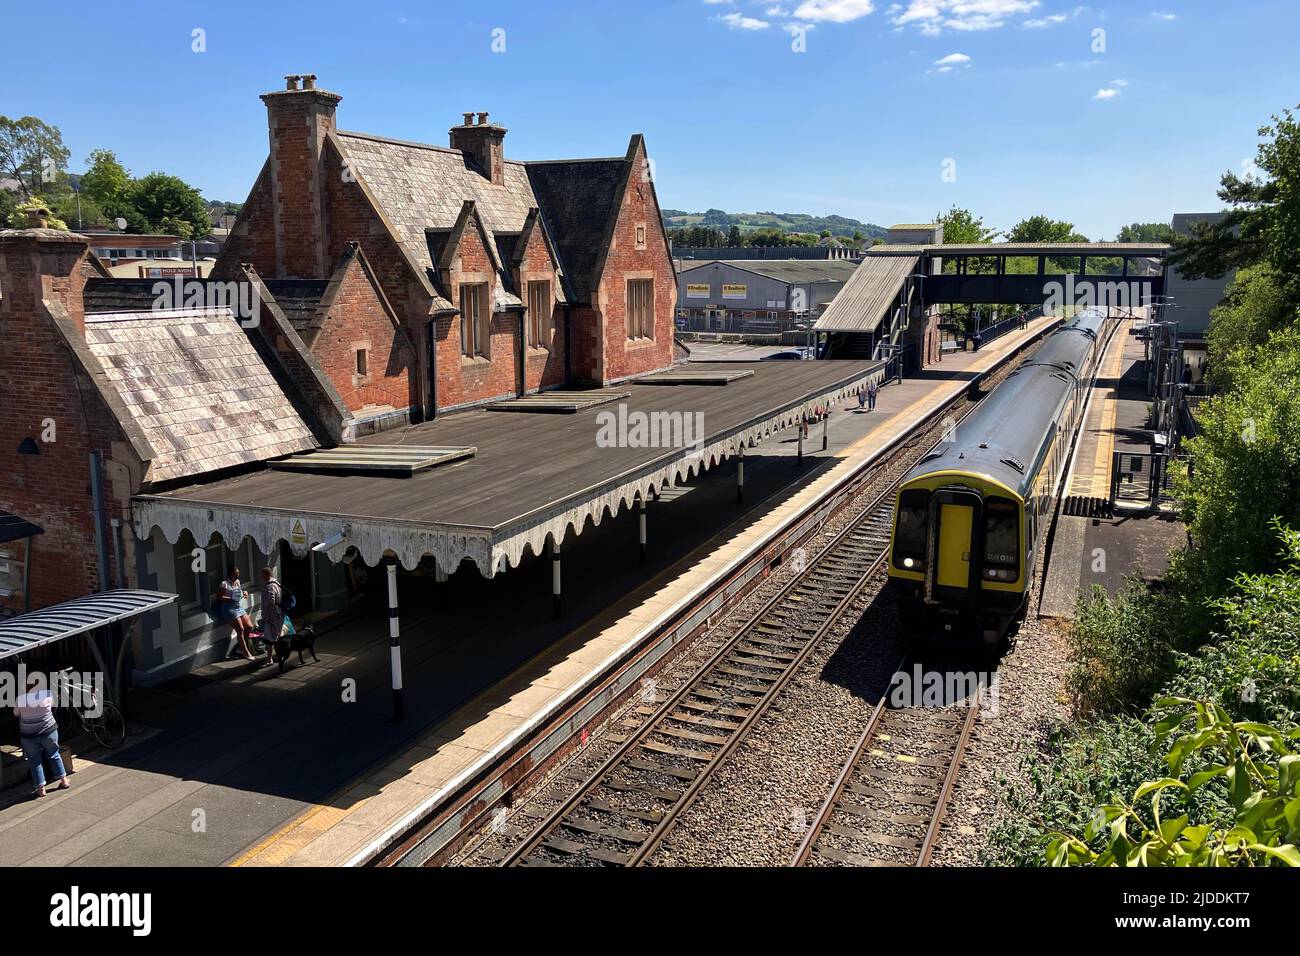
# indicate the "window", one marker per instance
pixel 1001 538
pixel 641 308
pixel 361 362
pixel 640 235
pixel 540 321
pixel 474 320
pixel 911 530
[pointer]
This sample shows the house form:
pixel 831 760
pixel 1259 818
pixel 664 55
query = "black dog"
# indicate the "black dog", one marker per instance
pixel 301 640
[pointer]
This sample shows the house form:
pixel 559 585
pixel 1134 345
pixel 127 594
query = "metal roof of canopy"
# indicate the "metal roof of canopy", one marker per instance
pixel 70 618
pixel 13 527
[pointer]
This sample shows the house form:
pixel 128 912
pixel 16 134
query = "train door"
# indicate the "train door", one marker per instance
pixel 956 546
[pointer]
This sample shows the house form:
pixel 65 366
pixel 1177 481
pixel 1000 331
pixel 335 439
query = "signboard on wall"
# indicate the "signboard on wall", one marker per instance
pixel 697 290
pixel 735 290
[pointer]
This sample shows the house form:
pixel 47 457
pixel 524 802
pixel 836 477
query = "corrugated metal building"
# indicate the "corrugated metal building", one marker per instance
pixel 757 296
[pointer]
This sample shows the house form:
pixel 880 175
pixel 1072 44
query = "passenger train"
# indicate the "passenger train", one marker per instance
pixel 967 516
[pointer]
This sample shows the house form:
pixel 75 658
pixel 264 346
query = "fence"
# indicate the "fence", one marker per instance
pixel 1143 480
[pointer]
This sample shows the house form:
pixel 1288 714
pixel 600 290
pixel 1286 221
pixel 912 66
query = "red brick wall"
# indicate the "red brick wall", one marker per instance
pixel 52 488
pixel 253 237
pixel 357 320
pixel 299 123
pixel 545 365
pixel 626 260
pixel 463 380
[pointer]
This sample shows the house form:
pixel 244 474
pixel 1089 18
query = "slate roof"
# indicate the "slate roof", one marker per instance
pixel 298 299
pixel 193 383
pixel 119 295
pixel 577 199
pixel 420 187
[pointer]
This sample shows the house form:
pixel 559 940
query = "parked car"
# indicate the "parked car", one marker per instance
pixel 789 355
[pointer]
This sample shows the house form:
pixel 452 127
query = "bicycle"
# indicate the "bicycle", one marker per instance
pixel 102 719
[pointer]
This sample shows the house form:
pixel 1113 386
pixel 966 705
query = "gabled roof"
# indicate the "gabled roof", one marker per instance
pixel 579 200
pixel 193 384
pixel 299 299
pixel 785 270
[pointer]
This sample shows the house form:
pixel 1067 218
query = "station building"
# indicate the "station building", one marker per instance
pixel 320 403
pixel 767 295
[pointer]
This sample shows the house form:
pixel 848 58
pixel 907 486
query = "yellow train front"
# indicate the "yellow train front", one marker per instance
pixel 968 516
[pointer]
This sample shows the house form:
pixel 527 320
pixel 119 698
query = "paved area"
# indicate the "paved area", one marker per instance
pixel 1101 551
pixel 245 766
pixel 733 351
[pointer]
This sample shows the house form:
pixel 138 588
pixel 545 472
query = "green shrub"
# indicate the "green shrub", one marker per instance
pixel 1123 650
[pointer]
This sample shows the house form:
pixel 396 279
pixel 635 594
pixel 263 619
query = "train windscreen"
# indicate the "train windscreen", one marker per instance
pixel 1001 539
pixel 910 529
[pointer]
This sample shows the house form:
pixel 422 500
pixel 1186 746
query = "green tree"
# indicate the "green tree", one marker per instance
pixel 1245 471
pixel 31 152
pixel 963 226
pixel 1254 306
pixel 1146 232
pixel 106 181
pixel 167 202
pixel 1044 229
pixel 1263 223
pixel 734 239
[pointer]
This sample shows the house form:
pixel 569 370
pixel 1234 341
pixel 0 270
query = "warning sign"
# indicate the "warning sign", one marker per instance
pixel 298 535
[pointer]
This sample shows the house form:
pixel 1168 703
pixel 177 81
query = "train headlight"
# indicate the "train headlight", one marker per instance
pixel 908 562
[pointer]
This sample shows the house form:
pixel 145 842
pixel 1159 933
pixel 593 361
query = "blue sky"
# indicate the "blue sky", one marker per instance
pixel 860 123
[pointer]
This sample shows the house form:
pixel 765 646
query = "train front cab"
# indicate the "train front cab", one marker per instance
pixel 957 564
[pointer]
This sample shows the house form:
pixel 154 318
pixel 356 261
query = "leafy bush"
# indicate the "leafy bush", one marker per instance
pixel 1123 651
pixel 1254 765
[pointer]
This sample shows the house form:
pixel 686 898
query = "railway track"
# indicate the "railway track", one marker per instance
pixel 887 804
pixel 622 811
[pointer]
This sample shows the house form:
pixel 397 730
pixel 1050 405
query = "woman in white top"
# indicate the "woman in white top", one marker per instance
pixel 228 607
pixel 39 734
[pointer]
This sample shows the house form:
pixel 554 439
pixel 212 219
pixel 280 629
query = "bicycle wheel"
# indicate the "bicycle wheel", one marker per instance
pixel 110 727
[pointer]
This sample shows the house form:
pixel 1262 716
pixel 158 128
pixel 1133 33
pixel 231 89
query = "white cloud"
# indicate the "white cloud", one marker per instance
pixel 935 16
pixel 1118 83
pixel 738 21
pixel 833 11
pixel 1164 16
pixel 953 59
pixel 776 10
pixel 1107 93
pixel 1044 21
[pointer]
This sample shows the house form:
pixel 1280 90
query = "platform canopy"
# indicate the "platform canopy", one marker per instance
pixel 535 477
pixel 70 618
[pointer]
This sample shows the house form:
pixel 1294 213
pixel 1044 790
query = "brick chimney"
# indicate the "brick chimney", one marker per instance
pixel 485 142
pixel 39 265
pixel 299 119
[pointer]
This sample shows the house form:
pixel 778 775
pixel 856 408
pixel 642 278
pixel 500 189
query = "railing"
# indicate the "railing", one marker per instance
pixel 1143 480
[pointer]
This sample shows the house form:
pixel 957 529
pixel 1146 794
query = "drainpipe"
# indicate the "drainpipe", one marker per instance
pixel 568 344
pixel 523 354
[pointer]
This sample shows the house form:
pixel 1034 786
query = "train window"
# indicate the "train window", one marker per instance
pixel 1001 535
pixel 910 529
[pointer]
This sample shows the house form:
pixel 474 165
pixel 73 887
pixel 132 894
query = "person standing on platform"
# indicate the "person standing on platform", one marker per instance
pixel 872 391
pixel 272 611
pixel 862 398
pixel 39 734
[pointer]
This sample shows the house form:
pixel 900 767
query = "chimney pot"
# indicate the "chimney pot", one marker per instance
pixel 469 119
pixel 291 81
pixel 309 81
pixel 38 217
pixel 482 119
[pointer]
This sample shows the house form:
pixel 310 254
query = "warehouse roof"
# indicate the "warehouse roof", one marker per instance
pixel 786 270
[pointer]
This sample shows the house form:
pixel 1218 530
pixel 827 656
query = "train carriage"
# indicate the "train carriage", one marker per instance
pixel 968 515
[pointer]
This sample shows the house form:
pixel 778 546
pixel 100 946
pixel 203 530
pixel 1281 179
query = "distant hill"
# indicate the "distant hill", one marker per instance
pixel 785 221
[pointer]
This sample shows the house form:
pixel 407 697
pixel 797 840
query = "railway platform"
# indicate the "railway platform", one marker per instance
pixel 246 767
pixel 1091 548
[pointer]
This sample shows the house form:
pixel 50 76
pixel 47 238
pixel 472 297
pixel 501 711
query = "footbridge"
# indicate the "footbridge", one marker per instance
pixel 886 308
